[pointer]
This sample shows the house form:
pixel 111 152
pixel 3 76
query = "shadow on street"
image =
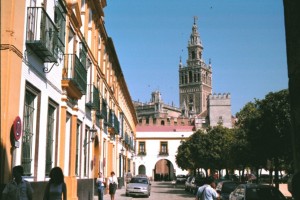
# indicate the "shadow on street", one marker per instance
pixel 169 188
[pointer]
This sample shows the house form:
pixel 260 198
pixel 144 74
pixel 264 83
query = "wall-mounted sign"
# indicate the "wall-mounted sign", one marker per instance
pixel 17 128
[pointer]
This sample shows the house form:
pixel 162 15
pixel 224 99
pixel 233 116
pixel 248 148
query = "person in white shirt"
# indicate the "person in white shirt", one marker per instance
pixel 112 185
pixel 207 191
pixel 100 186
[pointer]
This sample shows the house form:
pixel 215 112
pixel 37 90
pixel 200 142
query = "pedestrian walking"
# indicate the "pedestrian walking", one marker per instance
pixel 56 188
pixel 113 183
pixel 100 182
pixel 18 188
pixel 207 191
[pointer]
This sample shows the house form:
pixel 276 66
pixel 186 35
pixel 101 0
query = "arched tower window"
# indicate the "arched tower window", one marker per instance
pixel 190 77
pixel 193 54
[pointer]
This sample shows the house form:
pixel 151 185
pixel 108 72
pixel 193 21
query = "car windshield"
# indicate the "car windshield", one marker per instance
pixel 139 180
pixel 229 187
pixel 263 194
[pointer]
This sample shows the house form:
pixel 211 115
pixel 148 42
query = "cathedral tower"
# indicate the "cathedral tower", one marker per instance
pixel 195 79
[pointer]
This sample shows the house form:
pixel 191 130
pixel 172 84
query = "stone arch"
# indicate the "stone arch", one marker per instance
pixel 164 170
pixel 142 169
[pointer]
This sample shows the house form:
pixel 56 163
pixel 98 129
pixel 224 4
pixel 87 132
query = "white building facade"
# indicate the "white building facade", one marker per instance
pixel 157 149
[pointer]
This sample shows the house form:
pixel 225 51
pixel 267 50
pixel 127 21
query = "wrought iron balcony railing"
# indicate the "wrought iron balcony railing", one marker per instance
pixel 163 153
pixel 126 138
pixel 42 34
pixel 142 153
pixel 75 72
pixel 116 124
pixel 93 98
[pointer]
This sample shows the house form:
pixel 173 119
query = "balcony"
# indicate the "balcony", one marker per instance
pixel 93 98
pixel 74 76
pixel 113 123
pixel 42 34
pixel 104 111
pixel 142 153
pixel 163 153
pixel 116 124
pixel 126 139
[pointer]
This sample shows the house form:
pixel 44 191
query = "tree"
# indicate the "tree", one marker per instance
pixel 248 146
pixel 276 128
pixel 265 126
pixel 220 140
pixel 183 156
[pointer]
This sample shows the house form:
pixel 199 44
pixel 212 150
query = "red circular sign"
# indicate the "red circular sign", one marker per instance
pixel 17 128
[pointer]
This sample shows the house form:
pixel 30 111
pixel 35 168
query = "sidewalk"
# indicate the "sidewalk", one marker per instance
pixel 120 195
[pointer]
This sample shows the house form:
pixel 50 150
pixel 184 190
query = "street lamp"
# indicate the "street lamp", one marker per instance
pixel 122 150
pixel 93 132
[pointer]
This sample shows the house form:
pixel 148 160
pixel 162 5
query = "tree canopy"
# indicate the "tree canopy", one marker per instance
pixel 261 135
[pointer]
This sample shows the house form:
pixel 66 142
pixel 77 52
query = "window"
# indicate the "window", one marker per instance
pixel 121 124
pixel 82 5
pixel 78 135
pixel 82 54
pixel 220 121
pixel 60 21
pixel 31 26
pixel 163 148
pixel 190 77
pixel 142 148
pixel 90 17
pixel 29 129
pixel 51 127
pixel 85 153
pixel 193 54
pixel 128 165
pixel 169 120
pixel 191 98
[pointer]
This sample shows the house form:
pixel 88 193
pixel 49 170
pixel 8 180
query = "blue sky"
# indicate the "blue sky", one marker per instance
pixel 244 39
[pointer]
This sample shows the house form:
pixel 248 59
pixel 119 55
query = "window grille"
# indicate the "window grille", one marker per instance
pixel 29 110
pixel 50 140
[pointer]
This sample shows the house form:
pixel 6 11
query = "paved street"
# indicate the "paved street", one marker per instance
pixel 166 191
pixel 159 190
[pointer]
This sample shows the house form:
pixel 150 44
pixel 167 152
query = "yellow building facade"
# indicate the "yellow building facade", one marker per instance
pixel 64 98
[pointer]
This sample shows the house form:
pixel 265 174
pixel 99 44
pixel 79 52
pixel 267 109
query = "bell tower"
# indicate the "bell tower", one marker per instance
pixel 195 79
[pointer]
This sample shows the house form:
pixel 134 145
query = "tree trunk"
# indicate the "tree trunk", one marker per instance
pixel 276 166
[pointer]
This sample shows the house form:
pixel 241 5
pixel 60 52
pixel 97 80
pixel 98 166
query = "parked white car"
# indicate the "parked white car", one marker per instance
pixel 138 186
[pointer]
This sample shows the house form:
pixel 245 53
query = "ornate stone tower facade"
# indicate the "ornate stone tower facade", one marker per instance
pixel 195 79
